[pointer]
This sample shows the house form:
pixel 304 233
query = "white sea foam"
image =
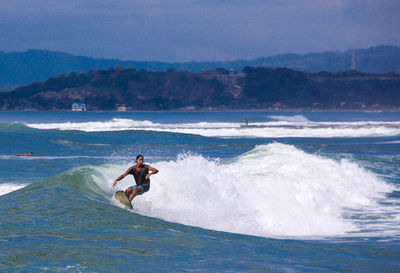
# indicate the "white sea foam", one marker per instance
pixel 389 142
pixel 295 118
pixel 274 190
pixel 280 128
pixel 10 187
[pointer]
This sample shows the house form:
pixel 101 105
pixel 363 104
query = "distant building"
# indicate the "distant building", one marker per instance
pixel 190 107
pixel 121 108
pixel 78 106
pixel 278 105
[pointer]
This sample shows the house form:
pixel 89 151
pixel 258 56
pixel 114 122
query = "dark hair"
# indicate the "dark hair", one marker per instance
pixel 138 156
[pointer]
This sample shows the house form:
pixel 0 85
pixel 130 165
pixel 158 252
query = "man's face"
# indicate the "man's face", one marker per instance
pixel 139 160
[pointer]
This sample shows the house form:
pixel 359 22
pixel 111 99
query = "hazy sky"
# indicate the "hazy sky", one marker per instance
pixel 184 30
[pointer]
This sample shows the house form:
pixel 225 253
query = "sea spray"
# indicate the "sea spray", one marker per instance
pixel 273 190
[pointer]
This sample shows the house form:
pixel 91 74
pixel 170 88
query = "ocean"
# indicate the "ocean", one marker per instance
pixel 290 192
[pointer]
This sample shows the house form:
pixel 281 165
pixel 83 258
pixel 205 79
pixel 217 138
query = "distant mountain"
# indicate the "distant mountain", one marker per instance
pixel 18 68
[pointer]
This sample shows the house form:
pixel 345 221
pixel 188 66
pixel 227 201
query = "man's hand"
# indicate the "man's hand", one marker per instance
pixel 119 178
pixel 153 171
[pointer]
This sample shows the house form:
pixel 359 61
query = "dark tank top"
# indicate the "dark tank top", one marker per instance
pixel 140 176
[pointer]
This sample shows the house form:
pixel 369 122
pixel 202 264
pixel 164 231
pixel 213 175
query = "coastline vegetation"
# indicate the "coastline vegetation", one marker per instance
pixel 219 89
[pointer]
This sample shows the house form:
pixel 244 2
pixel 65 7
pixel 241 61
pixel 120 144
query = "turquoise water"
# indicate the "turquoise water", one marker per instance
pixel 291 192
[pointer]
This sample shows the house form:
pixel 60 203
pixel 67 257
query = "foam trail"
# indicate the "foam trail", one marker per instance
pixel 294 127
pixel 275 190
pixel 10 187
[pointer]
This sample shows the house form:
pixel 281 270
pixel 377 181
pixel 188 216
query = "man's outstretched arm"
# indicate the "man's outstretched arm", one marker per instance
pixel 119 178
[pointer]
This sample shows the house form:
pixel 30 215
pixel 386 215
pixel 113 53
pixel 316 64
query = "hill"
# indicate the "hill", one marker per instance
pixel 220 89
pixel 17 68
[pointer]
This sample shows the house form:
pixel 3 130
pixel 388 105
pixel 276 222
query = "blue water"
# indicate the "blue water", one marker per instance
pixel 291 192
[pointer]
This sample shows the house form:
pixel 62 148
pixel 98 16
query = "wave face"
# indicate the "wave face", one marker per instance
pixel 280 127
pixel 274 190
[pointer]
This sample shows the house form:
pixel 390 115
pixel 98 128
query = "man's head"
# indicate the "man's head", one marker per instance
pixel 139 159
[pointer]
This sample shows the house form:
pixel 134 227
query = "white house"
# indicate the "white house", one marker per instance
pixel 121 108
pixel 78 106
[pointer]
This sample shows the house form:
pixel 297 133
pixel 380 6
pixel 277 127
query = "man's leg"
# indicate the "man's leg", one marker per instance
pixel 128 192
pixel 134 193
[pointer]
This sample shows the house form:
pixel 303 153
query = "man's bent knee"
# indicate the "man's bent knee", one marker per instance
pixel 128 191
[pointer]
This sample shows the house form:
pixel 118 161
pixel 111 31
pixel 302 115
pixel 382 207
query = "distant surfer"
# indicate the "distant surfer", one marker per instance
pixel 141 174
pixel 30 154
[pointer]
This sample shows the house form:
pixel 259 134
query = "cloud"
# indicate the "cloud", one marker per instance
pixel 183 30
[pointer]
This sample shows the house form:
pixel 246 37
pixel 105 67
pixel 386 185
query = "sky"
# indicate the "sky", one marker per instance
pixel 196 30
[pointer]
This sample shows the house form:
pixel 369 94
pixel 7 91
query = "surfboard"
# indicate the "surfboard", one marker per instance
pixel 121 197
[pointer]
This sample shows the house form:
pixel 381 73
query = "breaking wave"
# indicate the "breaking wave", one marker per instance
pixel 296 126
pixel 274 190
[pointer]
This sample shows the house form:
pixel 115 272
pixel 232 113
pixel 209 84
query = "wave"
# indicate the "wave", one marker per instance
pixel 295 118
pixel 274 190
pixel 10 187
pixel 297 127
pixel 389 142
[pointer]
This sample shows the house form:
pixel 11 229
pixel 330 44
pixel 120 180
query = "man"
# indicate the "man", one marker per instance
pixel 142 177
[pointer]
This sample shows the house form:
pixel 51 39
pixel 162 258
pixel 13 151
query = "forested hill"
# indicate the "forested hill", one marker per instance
pixel 220 89
pixel 18 68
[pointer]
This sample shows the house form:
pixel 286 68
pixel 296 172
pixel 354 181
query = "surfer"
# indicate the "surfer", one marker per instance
pixel 30 154
pixel 141 174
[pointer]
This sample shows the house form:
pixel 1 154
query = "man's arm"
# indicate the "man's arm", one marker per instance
pixel 154 171
pixel 119 178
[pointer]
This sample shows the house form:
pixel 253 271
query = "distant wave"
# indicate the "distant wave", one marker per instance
pixel 295 118
pixel 389 142
pixel 272 129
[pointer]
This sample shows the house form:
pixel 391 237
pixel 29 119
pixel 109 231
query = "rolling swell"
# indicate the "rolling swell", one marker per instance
pixel 14 127
pixel 73 184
